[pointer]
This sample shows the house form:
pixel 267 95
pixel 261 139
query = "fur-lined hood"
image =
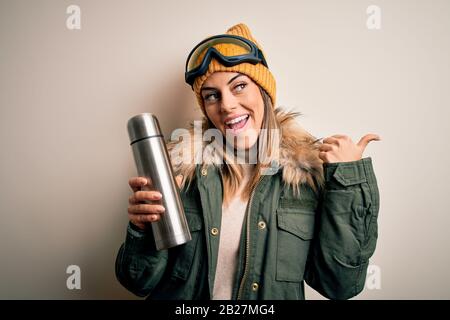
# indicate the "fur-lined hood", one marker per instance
pixel 298 156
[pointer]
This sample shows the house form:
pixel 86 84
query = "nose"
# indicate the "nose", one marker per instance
pixel 228 102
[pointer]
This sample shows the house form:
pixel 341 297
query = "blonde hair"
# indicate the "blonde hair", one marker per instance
pixel 233 173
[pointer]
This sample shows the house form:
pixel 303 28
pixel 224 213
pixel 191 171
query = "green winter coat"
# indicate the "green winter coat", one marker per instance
pixel 324 235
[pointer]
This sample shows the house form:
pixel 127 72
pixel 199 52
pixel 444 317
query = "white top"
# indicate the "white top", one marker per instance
pixel 230 235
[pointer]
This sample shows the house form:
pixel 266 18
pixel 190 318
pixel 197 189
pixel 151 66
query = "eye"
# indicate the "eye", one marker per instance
pixel 240 87
pixel 210 97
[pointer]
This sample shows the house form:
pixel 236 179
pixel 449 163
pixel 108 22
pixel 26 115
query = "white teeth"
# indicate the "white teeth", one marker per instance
pixel 236 120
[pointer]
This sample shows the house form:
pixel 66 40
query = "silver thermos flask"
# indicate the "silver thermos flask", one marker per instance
pixel 153 162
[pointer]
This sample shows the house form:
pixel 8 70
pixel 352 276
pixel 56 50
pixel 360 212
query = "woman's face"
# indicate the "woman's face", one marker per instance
pixel 235 106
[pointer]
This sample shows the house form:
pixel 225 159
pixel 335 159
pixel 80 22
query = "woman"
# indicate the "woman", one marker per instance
pixel 308 212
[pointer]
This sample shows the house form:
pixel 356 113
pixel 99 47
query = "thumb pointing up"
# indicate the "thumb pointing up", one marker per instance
pixel 364 141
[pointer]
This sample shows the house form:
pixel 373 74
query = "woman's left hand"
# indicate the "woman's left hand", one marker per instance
pixel 340 148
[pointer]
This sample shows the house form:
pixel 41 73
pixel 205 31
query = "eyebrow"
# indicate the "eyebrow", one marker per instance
pixel 231 80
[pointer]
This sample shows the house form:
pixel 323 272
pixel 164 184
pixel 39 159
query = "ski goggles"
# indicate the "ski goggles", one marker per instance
pixel 196 67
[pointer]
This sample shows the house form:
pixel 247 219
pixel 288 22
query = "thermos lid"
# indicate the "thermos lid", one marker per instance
pixel 142 126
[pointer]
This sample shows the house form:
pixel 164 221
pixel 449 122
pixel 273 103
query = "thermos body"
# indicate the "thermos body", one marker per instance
pixel 153 162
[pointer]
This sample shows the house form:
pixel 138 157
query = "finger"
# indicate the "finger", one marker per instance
pixel 364 141
pixel 179 179
pixel 341 136
pixel 323 156
pixel 136 183
pixel 326 147
pixel 142 219
pixel 332 140
pixel 144 208
pixel 140 196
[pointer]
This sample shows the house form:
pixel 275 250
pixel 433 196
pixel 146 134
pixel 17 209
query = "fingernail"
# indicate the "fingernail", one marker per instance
pixel 158 196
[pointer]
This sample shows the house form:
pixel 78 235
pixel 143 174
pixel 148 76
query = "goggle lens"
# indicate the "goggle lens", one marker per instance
pixel 197 55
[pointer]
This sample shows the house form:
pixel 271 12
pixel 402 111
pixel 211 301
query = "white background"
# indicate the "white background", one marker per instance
pixel 66 95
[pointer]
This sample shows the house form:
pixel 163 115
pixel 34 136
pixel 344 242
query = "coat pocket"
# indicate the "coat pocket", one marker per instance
pixel 294 234
pixel 184 254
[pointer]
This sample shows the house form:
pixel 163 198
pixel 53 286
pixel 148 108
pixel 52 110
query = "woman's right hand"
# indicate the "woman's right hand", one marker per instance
pixel 145 206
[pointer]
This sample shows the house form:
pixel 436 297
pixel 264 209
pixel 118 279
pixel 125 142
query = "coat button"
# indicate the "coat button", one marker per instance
pixel 214 231
pixel 261 225
pixel 255 286
pixel 204 172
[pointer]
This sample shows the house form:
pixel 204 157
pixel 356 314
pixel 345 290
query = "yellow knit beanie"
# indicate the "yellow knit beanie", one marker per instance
pixel 257 72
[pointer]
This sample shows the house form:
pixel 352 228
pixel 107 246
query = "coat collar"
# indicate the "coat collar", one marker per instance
pixel 298 156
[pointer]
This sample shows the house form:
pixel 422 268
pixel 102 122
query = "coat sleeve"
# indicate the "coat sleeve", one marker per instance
pixel 139 266
pixel 346 230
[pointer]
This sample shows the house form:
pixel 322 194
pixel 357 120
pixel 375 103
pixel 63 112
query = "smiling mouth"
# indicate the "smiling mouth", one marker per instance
pixel 237 123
